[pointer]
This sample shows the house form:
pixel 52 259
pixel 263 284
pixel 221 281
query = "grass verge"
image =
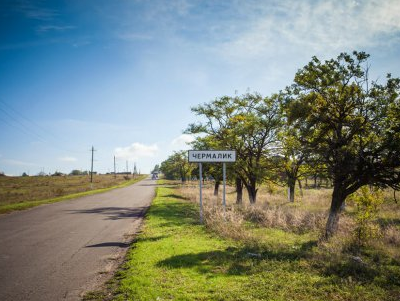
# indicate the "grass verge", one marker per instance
pixel 6 208
pixel 176 258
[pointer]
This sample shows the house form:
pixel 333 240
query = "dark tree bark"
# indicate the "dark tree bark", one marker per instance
pixel 216 187
pixel 338 198
pixel 300 186
pixel 291 184
pixel 239 190
pixel 252 190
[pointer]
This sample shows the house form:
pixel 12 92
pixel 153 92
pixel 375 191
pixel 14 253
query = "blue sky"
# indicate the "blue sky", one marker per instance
pixel 122 75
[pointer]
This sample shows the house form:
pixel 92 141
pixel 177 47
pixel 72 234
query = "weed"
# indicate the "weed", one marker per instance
pixel 368 202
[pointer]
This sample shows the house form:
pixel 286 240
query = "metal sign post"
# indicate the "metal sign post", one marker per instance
pixel 201 195
pixel 211 156
pixel 224 185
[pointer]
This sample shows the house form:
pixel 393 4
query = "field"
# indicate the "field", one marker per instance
pixel 270 251
pixel 17 193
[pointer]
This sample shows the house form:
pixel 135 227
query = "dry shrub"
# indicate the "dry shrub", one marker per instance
pixel 286 218
pixel 228 224
pixel 59 191
pixel 391 235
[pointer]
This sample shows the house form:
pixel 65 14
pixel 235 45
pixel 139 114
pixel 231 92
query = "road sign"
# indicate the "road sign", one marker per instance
pixel 211 156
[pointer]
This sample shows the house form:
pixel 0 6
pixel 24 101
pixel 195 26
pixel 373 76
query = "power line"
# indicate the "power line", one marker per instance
pixel 28 127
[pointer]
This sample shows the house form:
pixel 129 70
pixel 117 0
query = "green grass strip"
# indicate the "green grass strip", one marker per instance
pixel 176 258
pixel 30 204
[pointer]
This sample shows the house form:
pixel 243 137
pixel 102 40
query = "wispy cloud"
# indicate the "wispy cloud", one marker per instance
pixel 67 159
pixel 47 28
pixel 135 151
pixel 18 163
pixel 314 26
pixel 181 142
pixel 34 11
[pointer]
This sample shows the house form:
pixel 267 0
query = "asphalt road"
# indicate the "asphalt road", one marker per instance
pixel 60 251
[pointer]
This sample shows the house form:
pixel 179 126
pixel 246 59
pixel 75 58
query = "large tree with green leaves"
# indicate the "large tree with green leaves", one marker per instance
pixel 292 159
pixel 177 166
pixel 247 124
pixel 351 124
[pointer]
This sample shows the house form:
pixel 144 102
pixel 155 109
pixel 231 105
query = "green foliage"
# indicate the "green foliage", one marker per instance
pixel 248 124
pixel 57 174
pixel 156 169
pixel 349 124
pixel 77 172
pixel 368 202
pixel 177 166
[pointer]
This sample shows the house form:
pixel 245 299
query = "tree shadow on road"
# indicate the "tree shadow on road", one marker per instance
pixel 114 213
pixel 110 244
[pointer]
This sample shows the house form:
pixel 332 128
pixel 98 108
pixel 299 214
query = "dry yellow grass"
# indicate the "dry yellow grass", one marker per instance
pixel 24 189
pixel 307 214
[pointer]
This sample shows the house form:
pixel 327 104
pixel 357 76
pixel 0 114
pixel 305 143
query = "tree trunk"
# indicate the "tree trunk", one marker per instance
pixel 338 198
pixel 216 187
pixel 315 181
pixel 252 192
pixel 291 184
pixel 251 189
pixel 343 206
pixel 301 187
pixel 239 191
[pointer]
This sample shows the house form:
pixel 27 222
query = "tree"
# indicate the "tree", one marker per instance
pixel 351 124
pixel 76 172
pixel 293 156
pixel 177 166
pixel 156 169
pixel 247 124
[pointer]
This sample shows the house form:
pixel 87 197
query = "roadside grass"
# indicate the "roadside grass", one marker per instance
pixel 20 193
pixel 176 258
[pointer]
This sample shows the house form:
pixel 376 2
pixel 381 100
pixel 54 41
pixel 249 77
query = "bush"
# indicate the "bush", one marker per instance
pixel 367 201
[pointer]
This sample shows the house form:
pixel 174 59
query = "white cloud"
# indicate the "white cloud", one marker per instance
pixel 135 151
pixel 313 26
pixel 181 142
pixel 18 163
pixel 68 159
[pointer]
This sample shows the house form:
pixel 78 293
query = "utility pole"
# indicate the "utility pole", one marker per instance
pixel 127 167
pixel 115 173
pixel 91 168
